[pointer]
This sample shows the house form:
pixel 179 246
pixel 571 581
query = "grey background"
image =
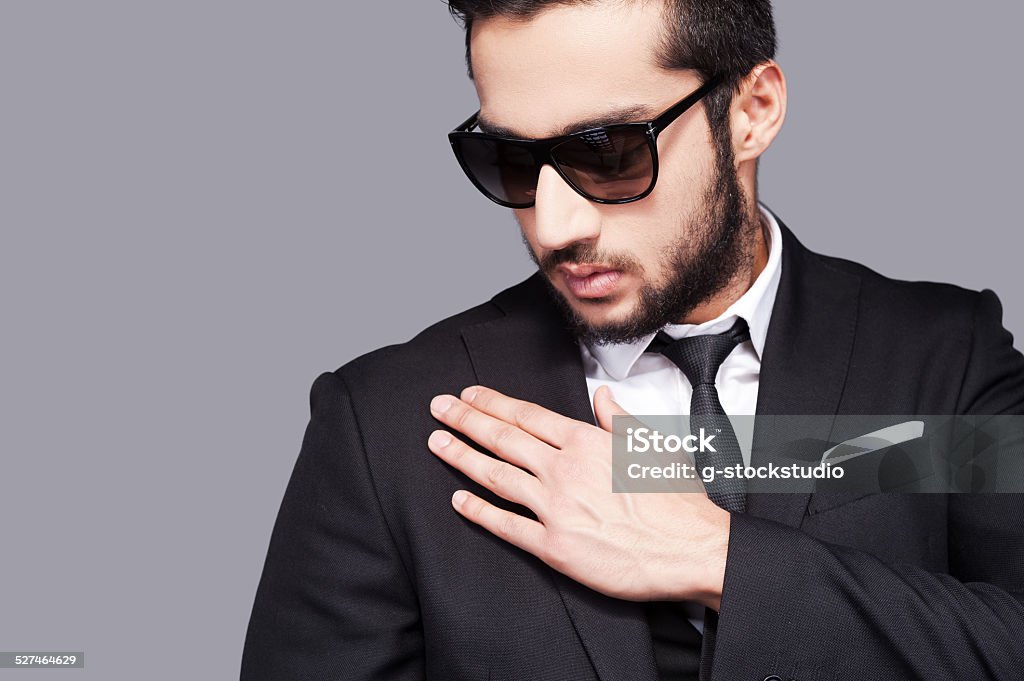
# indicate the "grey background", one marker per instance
pixel 198 216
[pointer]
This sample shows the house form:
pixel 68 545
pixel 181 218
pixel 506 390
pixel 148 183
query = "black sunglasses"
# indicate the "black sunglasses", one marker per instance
pixel 611 164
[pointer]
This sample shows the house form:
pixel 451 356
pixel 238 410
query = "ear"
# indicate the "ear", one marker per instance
pixel 758 111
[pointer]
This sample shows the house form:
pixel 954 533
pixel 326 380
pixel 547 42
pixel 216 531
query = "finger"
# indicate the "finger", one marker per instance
pixel 508 441
pixel 500 477
pixel 605 407
pixel 610 414
pixel 543 424
pixel 529 535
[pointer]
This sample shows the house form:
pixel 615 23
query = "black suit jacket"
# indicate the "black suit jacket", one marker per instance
pixel 372 575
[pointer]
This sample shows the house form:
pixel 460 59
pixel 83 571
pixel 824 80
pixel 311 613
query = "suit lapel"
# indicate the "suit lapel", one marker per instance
pixel 805 362
pixel 527 354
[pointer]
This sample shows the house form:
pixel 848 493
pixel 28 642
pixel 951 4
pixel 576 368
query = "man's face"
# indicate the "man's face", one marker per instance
pixel 620 271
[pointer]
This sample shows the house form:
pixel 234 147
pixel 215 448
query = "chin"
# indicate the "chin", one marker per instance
pixel 597 312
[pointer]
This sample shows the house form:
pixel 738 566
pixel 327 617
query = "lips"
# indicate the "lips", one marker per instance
pixel 590 281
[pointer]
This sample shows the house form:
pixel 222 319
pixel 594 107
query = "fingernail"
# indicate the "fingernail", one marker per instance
pixel 440 404
pixel 469 394
pixel 459 498
pixel 439 438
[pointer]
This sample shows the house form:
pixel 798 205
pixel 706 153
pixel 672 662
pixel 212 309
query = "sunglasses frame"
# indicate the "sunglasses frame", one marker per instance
pixel 542 150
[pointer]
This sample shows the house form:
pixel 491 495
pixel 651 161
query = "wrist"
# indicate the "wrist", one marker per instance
pixel 710 578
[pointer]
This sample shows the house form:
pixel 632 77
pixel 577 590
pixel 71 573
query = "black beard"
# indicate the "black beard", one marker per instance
pixel 708 256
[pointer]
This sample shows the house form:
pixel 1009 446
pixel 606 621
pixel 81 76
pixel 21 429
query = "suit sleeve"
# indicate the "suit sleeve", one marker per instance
pixel 335 601
pixel 801 608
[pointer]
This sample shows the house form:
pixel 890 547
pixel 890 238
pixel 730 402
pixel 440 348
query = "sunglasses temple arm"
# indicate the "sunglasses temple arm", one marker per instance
pixel 468 124
pixel 677 110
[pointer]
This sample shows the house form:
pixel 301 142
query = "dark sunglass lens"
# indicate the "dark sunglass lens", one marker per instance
pixel 610 164
pixel 506 172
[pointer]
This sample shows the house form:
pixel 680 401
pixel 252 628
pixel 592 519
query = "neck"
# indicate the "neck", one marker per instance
pixel 739 284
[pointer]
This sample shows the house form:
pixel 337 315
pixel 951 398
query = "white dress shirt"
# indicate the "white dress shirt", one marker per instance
pixel 649 383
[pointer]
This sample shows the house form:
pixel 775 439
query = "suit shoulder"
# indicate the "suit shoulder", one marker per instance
pixel 431 345
pixel 435 350
pixel 922 329
pixel 922 302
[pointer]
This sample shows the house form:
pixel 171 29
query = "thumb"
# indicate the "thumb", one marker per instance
pixel 605 407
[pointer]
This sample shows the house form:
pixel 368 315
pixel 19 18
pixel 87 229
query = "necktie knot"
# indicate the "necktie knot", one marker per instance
pixel 700 357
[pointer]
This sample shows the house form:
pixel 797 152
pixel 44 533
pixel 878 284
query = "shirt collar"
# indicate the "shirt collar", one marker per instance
pixel 754 306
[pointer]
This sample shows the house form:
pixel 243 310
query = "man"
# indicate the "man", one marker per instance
pixel 451 513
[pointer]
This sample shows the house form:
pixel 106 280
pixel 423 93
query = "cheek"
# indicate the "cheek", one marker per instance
pixel 652 227
pixel 685 166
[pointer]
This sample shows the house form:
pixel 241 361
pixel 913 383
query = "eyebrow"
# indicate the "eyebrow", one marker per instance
pixel 626 114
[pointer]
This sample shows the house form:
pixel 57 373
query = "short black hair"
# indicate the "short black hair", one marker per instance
pixel 724 38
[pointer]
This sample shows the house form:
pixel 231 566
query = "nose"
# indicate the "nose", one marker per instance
pixel 562 216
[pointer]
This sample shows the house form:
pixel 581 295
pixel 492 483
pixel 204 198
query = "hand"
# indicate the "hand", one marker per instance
pixel 630 546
